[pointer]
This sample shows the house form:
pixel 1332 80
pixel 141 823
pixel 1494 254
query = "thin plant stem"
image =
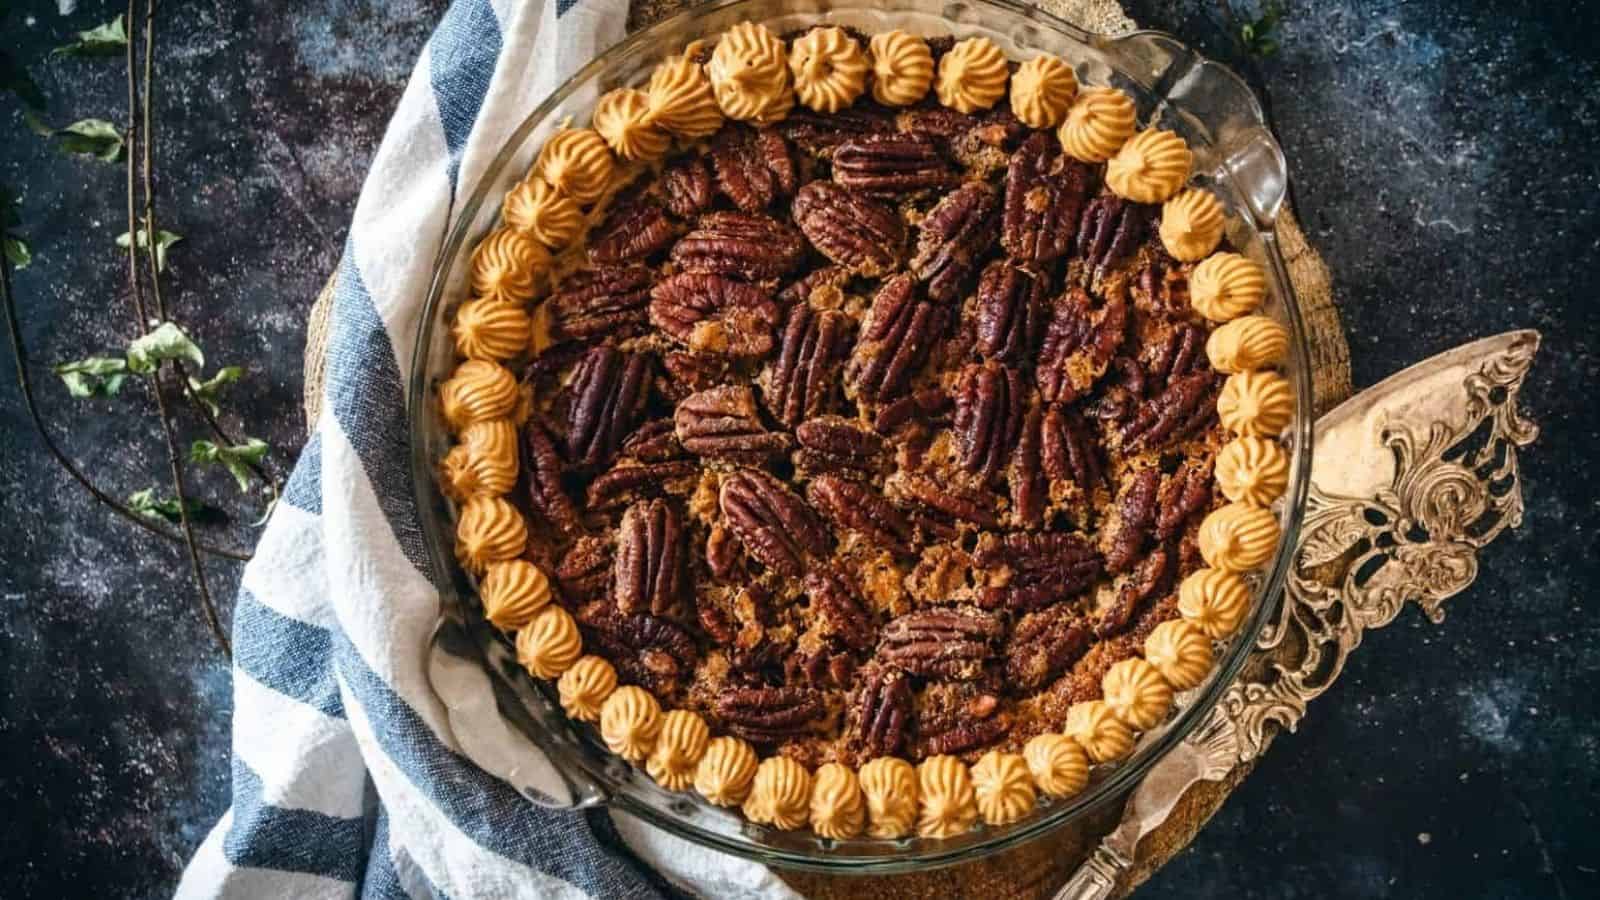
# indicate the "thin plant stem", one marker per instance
pixel 143 317
pixel 30 403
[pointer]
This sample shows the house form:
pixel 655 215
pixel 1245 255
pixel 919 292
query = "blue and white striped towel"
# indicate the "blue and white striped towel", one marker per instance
pixel 347 778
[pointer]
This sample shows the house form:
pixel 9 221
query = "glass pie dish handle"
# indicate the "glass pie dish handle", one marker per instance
pixel 1215 103
pixel 503 722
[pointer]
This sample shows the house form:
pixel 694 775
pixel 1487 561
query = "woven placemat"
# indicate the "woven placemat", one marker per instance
pixel 1036 869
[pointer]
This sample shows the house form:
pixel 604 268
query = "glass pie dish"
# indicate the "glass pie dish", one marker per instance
pixel 524 736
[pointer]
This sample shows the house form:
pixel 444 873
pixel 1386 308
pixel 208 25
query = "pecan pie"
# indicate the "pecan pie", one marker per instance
pixel 885 431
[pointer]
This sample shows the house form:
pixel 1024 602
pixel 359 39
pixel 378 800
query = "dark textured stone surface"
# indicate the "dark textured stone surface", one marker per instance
pixel 1443 164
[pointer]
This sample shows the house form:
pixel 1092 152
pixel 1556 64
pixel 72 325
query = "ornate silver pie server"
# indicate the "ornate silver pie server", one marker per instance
pixel 1411 478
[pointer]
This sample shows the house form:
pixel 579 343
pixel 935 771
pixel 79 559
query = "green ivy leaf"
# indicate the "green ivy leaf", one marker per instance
pixel 236 459
pixel 13 245
pixel 89 137
pixel 209 390
pixel 97 376
pixel 106 40
pixel 166 342
pixel 164 239
pixel 147 503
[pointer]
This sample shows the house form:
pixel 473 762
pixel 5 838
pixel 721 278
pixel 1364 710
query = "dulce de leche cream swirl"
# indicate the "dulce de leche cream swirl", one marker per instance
pixel 749 73
pixel 507 266
pixel 780 796
pixel 1003 787
pixel 1042 90
pixel 1191 224
pixel 1252 470
pixel 622 117
pixel 478 391
pixel 1097 125
pixel 1238 538
pixel 513 592
pixel 680 96
pixel 726 771
pixel 1137 693
pixel 949 805
pixel 549 644
pixel 585 686
pixel 577 161
pixel 1180 651
pixel 1151 167
pixel 972 75
pixel 490 329
pixel 678 749
pixel 838 810
pixel 535 206
pixel 902 68
pixel 1248 342
pixel 630 719
pixel 890 786
pixel 1059 766
pixel 1215 601
pixel 489 530
pixel 1097 728
pixel 830 71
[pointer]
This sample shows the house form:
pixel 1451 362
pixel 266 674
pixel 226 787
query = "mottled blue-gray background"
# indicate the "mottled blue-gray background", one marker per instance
pixel 1444 163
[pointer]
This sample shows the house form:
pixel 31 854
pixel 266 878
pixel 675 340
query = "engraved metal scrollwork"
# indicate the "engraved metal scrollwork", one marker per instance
pixel 1454 488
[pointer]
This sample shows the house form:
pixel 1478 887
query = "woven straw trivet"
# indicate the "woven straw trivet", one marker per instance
pixel 1036 869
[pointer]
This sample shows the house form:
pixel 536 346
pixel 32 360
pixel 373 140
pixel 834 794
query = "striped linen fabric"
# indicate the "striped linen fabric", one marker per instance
pixel 347 778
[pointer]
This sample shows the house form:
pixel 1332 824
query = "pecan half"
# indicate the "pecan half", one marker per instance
pixel 952 644
pixel 861 235
pixel 1135 519
pixel 609 390
pixel 541 467
pixel 632 232
pixel 1150 579
pixel 953 238
pixel 775 526
pixel 714 314
pixel 1183 409
pixel 893 164
pixel 686 187
pixel 898 337
pixel 1079 344
pixel 1043 645
pixel 723 422
pixel 880 717
pixel 837 444
pixel 629 482
pixel 1026 479
pixel 722 552
pixel 1011 311
pixel 585 569
pixel 990 402
pixel 650 571
pixel 1183 494
pixel 747 245
pixel 854 506
pixel 805 374
pixel 841 613
pixel 649 650
pixel 754 167
pixel 1179 351
pixel 1110 229
pixel 606 302
pixel 1032 570
pixel 821 133
pixel 1067 449
pixel 769 715
pixel 1045 192
pixel 975 505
